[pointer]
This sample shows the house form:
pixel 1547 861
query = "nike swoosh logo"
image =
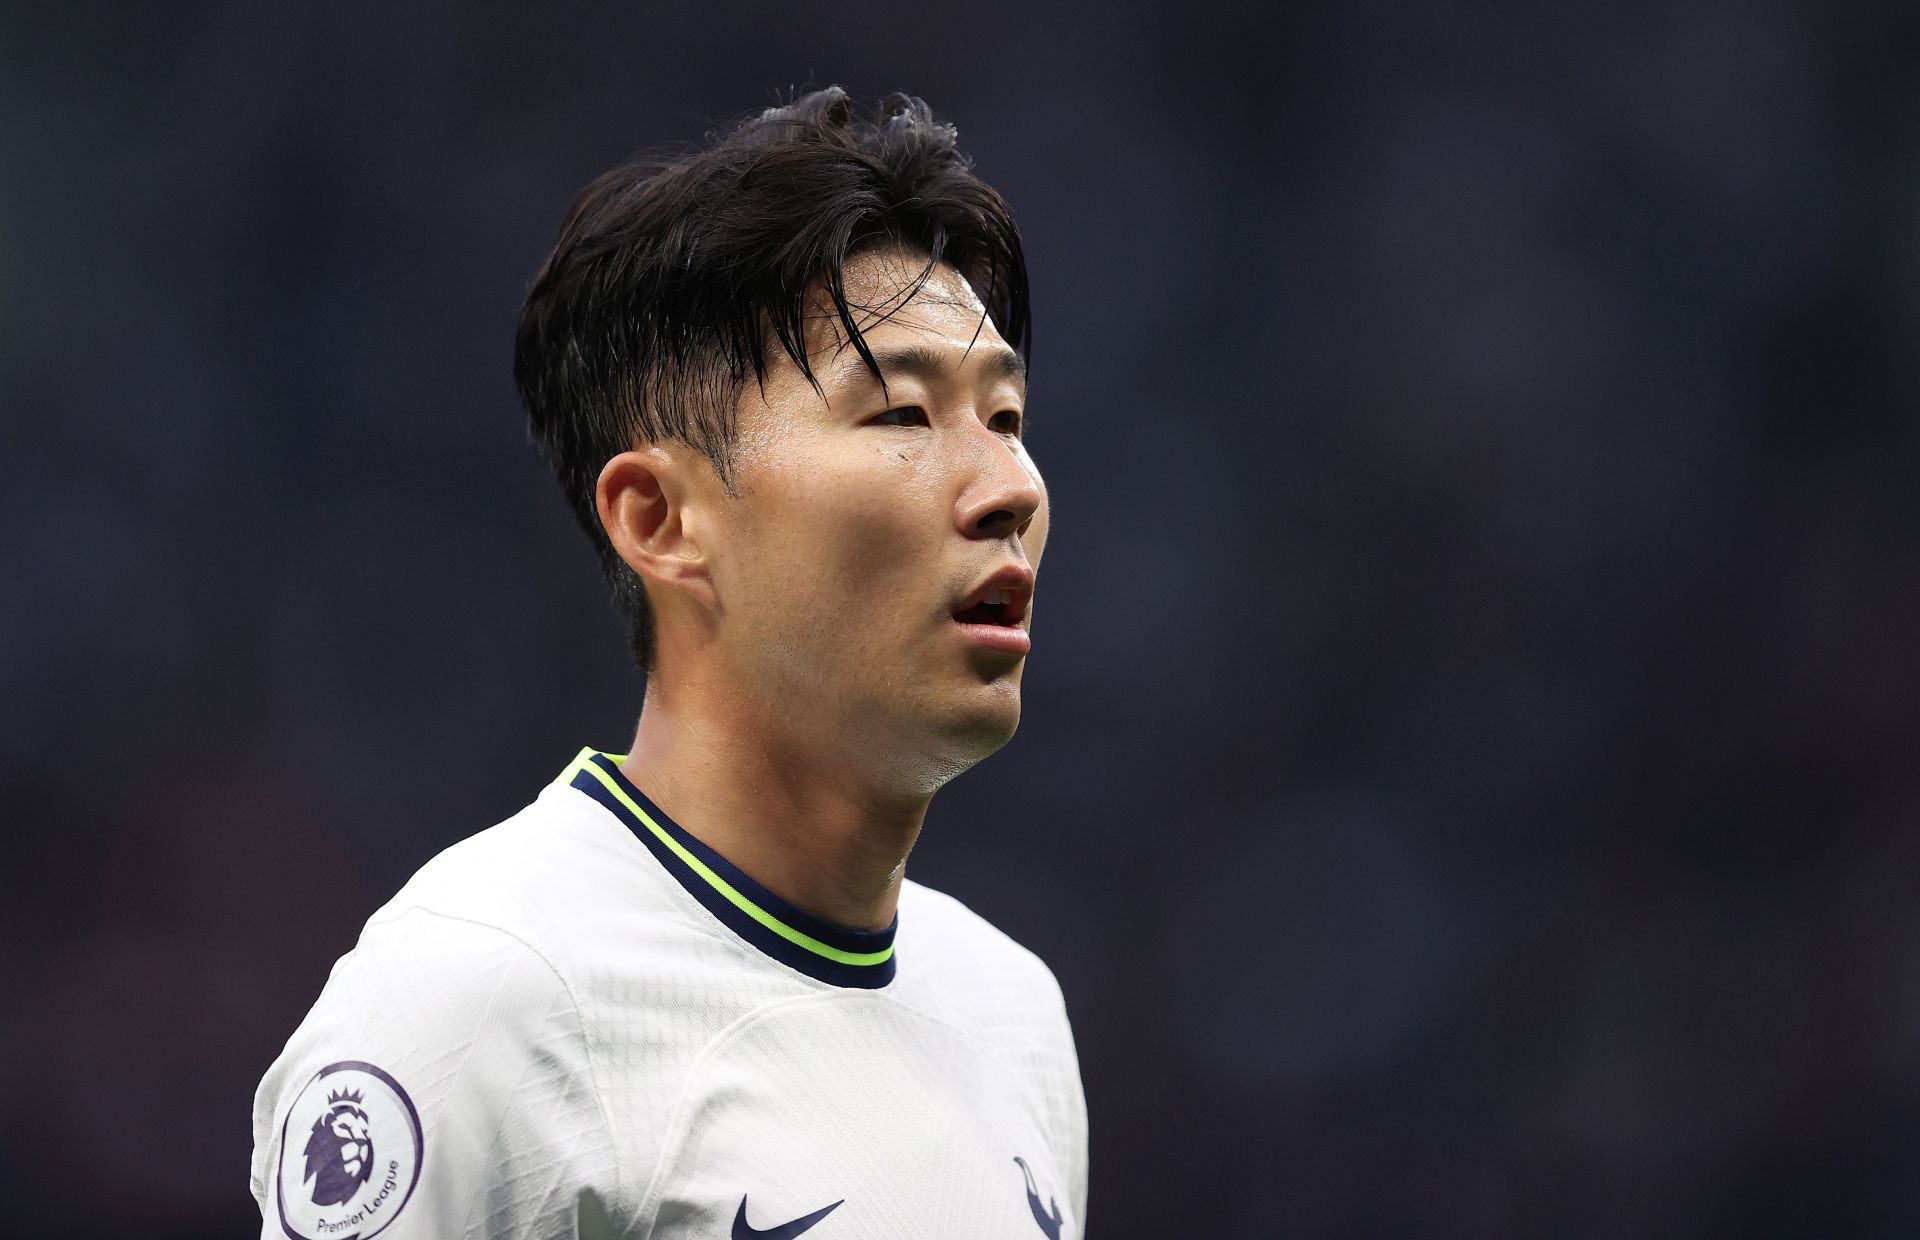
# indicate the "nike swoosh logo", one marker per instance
pixel 743 1230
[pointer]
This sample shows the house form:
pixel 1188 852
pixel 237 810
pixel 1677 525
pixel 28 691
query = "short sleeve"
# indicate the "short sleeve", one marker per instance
pixel 441 1086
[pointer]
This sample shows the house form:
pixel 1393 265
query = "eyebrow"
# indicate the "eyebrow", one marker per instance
pixel 925 361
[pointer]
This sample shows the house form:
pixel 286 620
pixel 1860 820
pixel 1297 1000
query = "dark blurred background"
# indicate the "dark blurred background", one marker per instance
pixel 1470 770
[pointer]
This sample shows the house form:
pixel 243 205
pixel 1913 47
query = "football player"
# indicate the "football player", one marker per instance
pixel 687 990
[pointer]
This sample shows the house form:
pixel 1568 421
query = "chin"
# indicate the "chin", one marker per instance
pixel 954 745
pixel 988 725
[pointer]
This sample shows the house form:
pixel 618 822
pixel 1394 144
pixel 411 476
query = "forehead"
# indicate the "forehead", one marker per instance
pixel 943 314
pixel 877 284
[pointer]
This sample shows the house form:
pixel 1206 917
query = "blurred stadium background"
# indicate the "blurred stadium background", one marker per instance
pixel 1471 763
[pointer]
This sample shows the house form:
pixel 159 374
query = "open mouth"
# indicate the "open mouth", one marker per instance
pixel 985 613
pixel 994 622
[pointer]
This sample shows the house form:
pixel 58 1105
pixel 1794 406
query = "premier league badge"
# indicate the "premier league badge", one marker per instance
pixel 350 1153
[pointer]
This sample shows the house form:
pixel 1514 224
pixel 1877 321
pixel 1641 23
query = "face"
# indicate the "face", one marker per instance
pixel 863 519
pixel 350 1127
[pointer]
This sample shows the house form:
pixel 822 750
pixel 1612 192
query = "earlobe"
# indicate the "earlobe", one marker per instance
pixel 643 505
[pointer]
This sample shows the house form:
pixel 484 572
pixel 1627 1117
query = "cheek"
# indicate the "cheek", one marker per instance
pixel 859 538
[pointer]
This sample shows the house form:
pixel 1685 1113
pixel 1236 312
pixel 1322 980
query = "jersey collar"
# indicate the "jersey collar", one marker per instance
pixel 820 949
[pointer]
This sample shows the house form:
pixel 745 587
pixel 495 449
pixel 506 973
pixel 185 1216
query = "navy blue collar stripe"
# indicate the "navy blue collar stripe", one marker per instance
pixel 821 950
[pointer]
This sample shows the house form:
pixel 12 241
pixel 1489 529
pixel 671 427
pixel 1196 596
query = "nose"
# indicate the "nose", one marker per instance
pixel 1003 491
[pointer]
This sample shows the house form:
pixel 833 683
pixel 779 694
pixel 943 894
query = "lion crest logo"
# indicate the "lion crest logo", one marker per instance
pixel 363 1154
pixel 340 1149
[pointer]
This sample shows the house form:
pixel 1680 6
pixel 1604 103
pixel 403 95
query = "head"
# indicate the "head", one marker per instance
pixel 339 1152
pixel 782 381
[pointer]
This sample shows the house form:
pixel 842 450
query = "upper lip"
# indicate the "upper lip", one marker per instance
pixel 1017 578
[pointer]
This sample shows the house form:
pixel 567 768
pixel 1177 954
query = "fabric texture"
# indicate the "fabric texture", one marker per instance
pixel 548 1032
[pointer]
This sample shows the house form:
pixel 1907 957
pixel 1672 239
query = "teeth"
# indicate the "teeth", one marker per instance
pixel 998 597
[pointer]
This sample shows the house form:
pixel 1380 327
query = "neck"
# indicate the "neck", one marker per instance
pixel 784 804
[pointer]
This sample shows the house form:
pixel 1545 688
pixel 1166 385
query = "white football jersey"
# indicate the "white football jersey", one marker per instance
pixel 583 1022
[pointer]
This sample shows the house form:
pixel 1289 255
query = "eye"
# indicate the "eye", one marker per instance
pixel 905 411
pixel 1015 421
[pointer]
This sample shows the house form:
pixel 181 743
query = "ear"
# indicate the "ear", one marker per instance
pixel 655 513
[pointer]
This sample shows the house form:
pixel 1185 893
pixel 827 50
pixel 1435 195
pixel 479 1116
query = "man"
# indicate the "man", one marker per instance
pixel 687 991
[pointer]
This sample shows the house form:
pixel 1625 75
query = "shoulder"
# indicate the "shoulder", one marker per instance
pixel 945 924
pixel 414 997
pixel 461 940
pixel 511 874
pixel 455 1009
pixel 962 969
pixel 476 951
pixel 560 877
pixel 458 1029
pixel 974 965
pixel 452 1043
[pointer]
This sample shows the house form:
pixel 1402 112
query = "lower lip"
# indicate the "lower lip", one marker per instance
pixel 1011 639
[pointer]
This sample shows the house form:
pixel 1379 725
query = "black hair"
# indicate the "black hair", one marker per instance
pixel 674 273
